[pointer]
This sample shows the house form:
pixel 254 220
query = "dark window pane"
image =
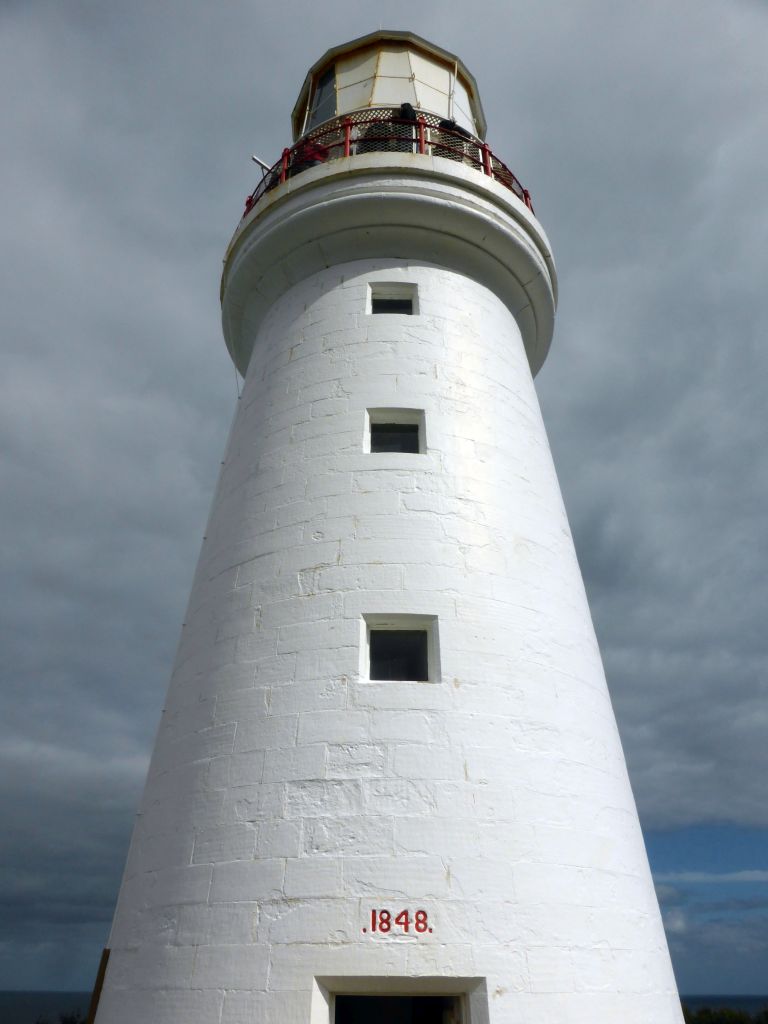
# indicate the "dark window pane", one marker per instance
pixel 324 100
pixel 394 1009
pixel 399 654
pixel 391 305
pixel 395 437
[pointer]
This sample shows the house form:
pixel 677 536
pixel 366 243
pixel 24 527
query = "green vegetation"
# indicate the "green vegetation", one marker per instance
pixel 65 1018
pixel 722 1015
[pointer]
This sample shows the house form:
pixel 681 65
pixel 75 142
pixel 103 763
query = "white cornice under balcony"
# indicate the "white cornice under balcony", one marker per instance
pixel 405 206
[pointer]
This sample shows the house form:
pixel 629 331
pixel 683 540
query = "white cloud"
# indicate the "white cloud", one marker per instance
pixel 710 877
pixel 675 921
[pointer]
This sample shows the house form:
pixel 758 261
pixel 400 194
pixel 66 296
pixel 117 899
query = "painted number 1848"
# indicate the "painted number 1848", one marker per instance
pixel 387 921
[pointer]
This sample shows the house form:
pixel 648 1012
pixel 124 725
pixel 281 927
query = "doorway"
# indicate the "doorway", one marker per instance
pixel 399 1010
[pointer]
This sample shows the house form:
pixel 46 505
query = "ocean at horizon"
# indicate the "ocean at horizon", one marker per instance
pixel 28 1007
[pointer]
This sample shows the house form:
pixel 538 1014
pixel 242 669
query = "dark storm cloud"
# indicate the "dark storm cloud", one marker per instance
pixel 651 395
pixel 640 130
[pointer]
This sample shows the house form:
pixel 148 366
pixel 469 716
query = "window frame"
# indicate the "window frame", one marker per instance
pixel 396 621
pixel 401 415
pixel 400 291
pixel 320 96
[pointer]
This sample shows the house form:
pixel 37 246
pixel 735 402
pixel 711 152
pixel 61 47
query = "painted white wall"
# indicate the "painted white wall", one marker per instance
pixel 288 795
pixel 384 205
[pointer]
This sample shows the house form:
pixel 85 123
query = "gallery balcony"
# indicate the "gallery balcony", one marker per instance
pixel 384 130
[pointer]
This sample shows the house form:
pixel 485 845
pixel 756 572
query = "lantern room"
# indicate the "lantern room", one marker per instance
pixel 388 69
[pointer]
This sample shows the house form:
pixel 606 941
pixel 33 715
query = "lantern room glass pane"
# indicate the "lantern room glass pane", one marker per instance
pixel 356 68
pixel 431 73
pixel 324 99
pixel 391 92
pixel 431 99
pixel 395 64
pixel 355 97
pixel 462 109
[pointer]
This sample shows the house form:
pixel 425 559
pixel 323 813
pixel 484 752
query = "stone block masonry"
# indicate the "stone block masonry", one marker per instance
pixel 388 762
pixel 289 796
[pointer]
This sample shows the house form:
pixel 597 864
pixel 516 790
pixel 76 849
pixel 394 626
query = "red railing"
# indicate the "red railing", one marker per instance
pixel 384 131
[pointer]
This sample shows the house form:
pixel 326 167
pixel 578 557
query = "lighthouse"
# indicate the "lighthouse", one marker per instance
pixel 388 784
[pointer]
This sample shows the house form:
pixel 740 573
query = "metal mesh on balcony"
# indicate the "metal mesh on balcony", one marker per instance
pixel 382 130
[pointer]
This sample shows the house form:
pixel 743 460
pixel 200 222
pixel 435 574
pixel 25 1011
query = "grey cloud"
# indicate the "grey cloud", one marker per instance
pixel 641 133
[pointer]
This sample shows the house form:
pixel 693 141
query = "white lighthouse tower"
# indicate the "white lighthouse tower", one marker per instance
pixel 388 784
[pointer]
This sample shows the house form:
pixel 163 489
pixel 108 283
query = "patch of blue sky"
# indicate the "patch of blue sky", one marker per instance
pixel 709 850
pixel 714 872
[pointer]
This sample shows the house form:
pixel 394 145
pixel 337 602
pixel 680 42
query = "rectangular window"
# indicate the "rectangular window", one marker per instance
pixel 395 437
pixel 380 305
pixel 399 654
pixel 395 430
pixel 403 1009
pixel 401 648
pixel 393 298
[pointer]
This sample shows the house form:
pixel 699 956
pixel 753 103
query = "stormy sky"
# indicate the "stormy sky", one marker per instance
pixel 127 129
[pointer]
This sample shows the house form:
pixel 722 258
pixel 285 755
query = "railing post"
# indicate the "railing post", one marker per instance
pixel 347 135
pixel 422 135
pixel 284 165
pixel 487 160
pixel 527 198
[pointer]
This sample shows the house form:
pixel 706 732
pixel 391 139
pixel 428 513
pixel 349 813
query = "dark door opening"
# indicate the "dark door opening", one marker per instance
pixel 398 1010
